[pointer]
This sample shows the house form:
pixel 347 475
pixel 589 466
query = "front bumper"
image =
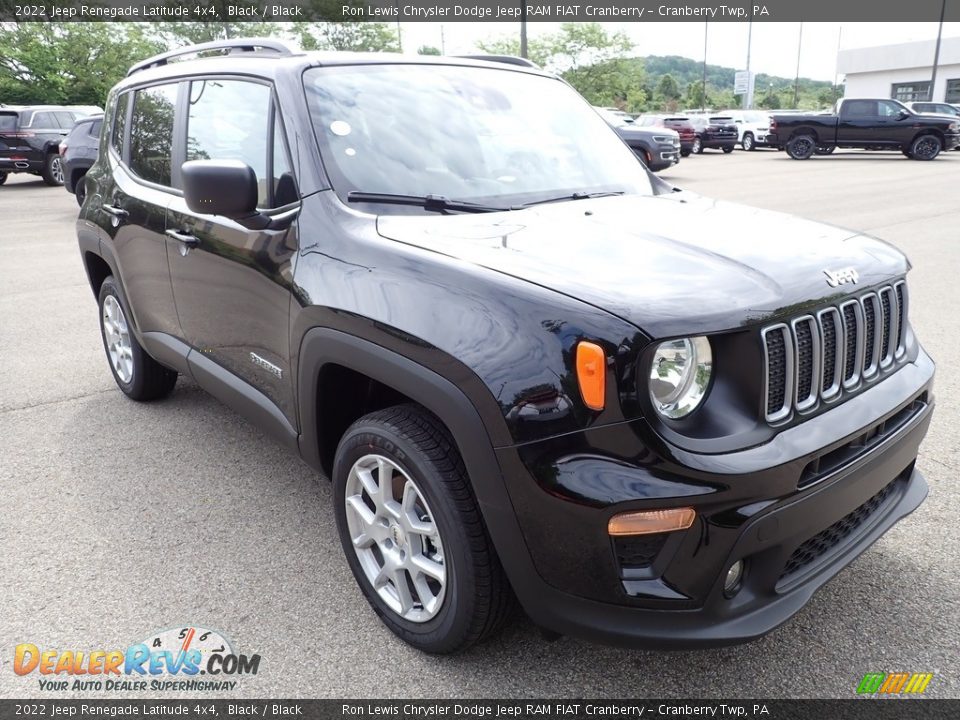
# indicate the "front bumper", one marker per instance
pixel 748 508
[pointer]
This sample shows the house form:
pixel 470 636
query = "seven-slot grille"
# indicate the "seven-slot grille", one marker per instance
pixel 816 357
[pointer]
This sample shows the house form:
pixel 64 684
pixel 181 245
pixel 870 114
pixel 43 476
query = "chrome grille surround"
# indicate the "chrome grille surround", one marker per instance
pixel 821 357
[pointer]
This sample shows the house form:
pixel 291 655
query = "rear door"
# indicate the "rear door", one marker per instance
pixel 858 122
pixel 233 285
pixel 131 205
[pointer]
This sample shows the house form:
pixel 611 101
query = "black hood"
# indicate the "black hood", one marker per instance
pixel 671 264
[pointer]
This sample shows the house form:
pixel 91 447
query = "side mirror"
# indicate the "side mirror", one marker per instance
pixel 220 187
pixel 903 115
pixel 229 188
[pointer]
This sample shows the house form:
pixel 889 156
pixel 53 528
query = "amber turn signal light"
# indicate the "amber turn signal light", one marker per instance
pixel 651 521
pixel 591 374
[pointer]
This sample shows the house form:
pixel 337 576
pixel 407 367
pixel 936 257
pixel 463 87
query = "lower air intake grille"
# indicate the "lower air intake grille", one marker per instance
pixel 826 540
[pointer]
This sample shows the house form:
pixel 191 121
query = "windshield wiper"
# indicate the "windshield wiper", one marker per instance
pixel 575 196
pixel 435 203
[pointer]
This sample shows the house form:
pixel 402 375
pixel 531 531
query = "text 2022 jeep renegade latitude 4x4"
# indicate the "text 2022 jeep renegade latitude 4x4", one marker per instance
pixel 531 369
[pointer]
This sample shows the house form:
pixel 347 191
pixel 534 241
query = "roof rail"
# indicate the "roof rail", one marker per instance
pixel 508 59
pixel 277 47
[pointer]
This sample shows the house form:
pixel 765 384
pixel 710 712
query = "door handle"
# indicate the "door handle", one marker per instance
pixel 114 210
pixel 185 238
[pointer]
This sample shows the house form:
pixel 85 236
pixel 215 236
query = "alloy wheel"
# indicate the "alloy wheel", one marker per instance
pixel 116 334
pixel 56 169
pixel 395 538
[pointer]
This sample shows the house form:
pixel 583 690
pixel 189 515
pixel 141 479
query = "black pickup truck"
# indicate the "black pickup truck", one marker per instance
pixel 867 124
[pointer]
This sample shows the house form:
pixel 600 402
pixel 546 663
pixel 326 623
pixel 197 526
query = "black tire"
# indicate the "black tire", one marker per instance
pixel 697 146
pixel 825 150
pixel 149 380
pixel 477 598
pixel 801 147
pixel 728 149
pixel 52 172
pixel 684 153
pixel 747 143
pixel 80 190
pixel 925 147
pixel 3 178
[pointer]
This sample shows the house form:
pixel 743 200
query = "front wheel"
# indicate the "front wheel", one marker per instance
pixel 801 147
pixel 138 375
pixel 413 534
pixel 52 172
pixel 747 142
pixel 925 147
pixel 697 145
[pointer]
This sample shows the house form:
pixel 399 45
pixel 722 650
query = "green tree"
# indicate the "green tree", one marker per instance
pixel 352 36
pixel 428 50
pixel 68 63
pixel 771 100
pixel 668 88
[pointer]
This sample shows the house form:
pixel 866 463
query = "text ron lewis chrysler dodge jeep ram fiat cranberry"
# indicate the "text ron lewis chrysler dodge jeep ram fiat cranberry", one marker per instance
pixel 532 371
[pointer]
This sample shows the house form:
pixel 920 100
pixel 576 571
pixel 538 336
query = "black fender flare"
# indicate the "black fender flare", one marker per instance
pixel 441 397
pixel 805 130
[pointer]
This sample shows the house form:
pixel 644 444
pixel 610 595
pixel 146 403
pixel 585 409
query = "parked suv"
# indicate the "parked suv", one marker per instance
pixel 29 140
pixel 713 131
pixel 680 125
pixel 530 368
pixel 78 151
pixel 752 127
pixel 657 148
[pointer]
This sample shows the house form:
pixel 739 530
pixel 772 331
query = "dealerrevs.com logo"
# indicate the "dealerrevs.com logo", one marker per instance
pixel 172 660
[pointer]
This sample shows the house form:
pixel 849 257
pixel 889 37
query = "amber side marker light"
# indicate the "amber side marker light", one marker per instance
pixel 651 521
pixel 591 374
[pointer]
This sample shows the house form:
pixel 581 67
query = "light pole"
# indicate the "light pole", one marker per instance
pixel 703 94
pixel 747 96
pixel 523 29
pixel 796 80
pixel 936 52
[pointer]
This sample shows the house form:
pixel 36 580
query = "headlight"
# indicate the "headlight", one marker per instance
pixel 680 375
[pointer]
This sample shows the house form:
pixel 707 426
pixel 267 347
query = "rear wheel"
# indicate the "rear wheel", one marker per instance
pixel 80 190
pixel 52 172
pixel 697 145
pixel 728 148
pixel 801 147
pixel 925 147
pixel 747 142
pixel 3 178
pixel 684 153
pixel 138 375
pixel 412 532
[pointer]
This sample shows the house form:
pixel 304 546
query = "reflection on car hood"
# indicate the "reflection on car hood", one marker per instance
pixel 670 264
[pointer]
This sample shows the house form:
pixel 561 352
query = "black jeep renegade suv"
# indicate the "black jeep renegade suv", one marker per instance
pixel 532 370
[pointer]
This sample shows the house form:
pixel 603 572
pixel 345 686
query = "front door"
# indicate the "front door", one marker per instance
pixel 232 286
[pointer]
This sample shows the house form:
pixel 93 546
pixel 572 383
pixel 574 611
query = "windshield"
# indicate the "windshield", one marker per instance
pixel 491 136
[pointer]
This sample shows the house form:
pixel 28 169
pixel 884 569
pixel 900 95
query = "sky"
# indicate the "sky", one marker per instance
pixel 773 46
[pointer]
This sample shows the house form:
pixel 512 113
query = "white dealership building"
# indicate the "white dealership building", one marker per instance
pixel 903 71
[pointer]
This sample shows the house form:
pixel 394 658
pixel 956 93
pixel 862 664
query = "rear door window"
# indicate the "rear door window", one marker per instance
pixel 151 133
pixel 43 121
pixel 854 109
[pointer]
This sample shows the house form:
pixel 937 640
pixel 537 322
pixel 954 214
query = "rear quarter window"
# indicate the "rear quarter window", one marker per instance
pixel 118 134
pixel 151 133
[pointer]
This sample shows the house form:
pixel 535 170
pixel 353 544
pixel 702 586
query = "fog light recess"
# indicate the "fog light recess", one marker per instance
pixel 731 584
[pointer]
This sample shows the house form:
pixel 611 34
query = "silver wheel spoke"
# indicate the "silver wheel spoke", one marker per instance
pixel 396 540
pixel 117 339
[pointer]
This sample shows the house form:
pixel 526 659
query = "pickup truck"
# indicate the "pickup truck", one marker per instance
pixel 865 123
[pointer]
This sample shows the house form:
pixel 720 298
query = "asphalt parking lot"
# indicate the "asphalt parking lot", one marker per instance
pixel 119 519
